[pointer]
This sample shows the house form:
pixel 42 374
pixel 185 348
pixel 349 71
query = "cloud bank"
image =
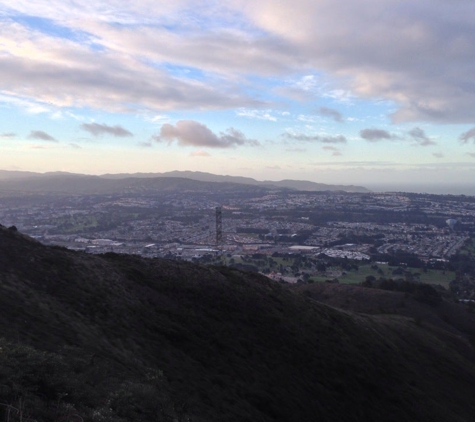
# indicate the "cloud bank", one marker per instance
pixel 386 49
pixel 116 57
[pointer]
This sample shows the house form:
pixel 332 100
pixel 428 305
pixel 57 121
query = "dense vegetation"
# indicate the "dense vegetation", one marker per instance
pixel 123 338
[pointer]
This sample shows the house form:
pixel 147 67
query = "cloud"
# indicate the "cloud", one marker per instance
pixel 39 147
pixel 375 135
pixel 75 146
pixel 438 155
pixel 336 151
pixel 295 150
pixel 30 106
pixel 304 88
pixel 145 144
pixel 43 136
pixel 306 119
pixel 257 114
pixel 200 153
pixel 104 11
pixel 467 136
pixel 9 135
pixel 357 163
pixel 192 133
pixel 364 53
pixel 415 135
pixel 329 112
pixel 472 154
pixel 169 55
pixel 97 129
pixel 127 73
pixel 420 138
pixel 324 139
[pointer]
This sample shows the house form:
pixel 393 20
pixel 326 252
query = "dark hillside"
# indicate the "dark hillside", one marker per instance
pixel 458 319
pixel 133 339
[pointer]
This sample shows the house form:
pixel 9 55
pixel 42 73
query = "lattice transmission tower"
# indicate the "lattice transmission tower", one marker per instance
pixel 219 227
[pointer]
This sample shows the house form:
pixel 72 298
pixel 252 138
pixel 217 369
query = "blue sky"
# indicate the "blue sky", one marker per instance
pixel 340 91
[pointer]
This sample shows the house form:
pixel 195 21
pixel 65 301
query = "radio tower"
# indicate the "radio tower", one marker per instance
pixel 219 227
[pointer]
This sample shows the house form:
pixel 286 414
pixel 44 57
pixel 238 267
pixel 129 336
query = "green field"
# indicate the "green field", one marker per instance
pixel 440 277
pixel 353 276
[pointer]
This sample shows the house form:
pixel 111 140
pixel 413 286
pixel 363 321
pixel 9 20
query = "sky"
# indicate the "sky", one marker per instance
pixel 368 92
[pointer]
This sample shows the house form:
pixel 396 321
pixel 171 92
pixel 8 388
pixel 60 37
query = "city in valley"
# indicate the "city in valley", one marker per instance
pixel 288 235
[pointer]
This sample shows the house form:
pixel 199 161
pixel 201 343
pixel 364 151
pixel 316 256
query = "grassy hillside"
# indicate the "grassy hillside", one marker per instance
pixel 458 319
pixel 120 338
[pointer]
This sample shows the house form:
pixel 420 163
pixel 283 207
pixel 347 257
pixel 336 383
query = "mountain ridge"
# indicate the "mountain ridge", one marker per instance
pixel 303 185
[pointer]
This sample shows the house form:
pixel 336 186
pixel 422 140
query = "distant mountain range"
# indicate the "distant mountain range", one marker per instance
pixel 80 183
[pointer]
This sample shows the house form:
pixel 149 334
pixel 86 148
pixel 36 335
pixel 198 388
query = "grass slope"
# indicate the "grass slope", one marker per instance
pixel 133 339
pixel 458 319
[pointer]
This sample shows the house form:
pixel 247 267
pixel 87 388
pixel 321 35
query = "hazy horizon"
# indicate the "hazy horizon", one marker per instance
pixel 447 189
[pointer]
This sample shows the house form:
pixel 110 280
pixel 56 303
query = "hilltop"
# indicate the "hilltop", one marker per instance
pixel 124 338
pixel 72 183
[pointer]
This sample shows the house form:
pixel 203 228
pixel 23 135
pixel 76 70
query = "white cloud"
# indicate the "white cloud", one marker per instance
pixel 41 135
pixel 416 135
pixel 420 138
pixel 387 49
pixel 257 114
pixel 358 163
pixel 191 133
pixel 375 135
pixel 39 147
pixel 295 150
pixel 415 54
pixel 97 129
pixel 332 113
pixel 324 138
pixel 468 136
pixel 335 151
pixel 305 118
pixel 29 106
pixel 63 73
pixel 307 83
pixel 200 153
